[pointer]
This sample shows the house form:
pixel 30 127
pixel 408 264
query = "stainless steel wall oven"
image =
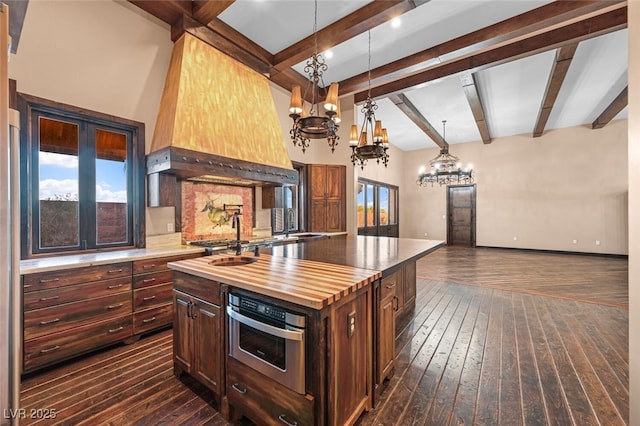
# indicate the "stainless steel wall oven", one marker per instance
pixel 268 339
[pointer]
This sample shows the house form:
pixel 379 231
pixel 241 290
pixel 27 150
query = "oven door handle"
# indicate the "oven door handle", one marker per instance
pixel 275 331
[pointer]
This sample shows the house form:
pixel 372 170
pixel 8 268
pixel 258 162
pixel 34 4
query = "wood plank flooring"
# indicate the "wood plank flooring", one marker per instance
pixel 479 349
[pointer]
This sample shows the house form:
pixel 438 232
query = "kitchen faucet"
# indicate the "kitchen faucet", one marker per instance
pixel 235 223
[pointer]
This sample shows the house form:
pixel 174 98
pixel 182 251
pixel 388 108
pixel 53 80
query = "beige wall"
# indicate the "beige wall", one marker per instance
pixel 536 193
pixel 634 209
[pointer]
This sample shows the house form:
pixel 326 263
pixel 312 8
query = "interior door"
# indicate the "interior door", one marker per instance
pixel 461 215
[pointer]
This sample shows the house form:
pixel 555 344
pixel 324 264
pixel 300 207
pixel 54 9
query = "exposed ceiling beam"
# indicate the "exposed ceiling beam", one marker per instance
pixel 205 10
pixel 470 87
pixel 612 110
pixel 410 110
pixel 564 56
pixel 358 22
pixel 167 11
pixel 516 49
pixel 197 29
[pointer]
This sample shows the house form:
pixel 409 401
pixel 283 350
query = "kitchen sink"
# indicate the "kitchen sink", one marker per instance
pixel 233 261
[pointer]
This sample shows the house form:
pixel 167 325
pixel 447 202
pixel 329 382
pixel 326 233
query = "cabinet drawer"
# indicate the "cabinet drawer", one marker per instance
pixel 389 284
pixel 202 288
pixel 61 317
pixel 150 296
pixel 146 280
pixel 153 318
pixel 73 293
pixel 159 263
pixel 53 279
pixel 264 400
pixel 65 344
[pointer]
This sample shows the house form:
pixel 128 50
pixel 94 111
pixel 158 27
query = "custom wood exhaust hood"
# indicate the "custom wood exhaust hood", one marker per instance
pixel 217 122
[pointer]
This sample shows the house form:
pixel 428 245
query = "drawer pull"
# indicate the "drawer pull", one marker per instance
pixel 391 286
pixel 115 306
pixel 114 271
pixel 49 322
pixel 283 419
pixel 146 299
pixel 51 349
pixel 148 320
pixel 148 280
pixel 113 330
pixel 44 299
pixel 51 280
pixel 153 265
pixel 236 387
pixel 111 287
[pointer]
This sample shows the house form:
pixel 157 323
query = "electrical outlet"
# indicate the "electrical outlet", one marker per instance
pixel 170 227
pixel 426 234
pixel 351 324
pixel 575 241
pixel 515 238
pixel 597 242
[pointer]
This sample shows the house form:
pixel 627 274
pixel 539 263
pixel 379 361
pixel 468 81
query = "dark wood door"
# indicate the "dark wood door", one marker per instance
pixel 182 332
pixel 208 353
pixel 461 214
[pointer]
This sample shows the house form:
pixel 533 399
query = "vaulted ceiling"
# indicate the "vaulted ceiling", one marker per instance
pixel 489 68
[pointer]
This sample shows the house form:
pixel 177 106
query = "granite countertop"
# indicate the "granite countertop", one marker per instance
pixel 304 282
pixel 376 253
pixel 56 263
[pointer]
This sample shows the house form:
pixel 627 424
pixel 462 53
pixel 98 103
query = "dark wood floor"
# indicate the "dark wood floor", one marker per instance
pixel 477 350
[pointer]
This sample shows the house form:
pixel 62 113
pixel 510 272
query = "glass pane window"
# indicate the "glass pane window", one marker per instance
pixel 58 214
pixel 370 217
pixel 360 205
pixel 383 205
pixel 393 206
pixel 111 187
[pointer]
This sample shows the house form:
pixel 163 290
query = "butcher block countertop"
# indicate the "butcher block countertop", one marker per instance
pixel 304 282
pixel 377 253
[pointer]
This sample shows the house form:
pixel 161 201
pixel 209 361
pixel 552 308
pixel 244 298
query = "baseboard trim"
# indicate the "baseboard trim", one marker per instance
pixel 581 253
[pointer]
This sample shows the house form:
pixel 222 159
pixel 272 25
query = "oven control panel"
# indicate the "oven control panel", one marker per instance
pixel 262 309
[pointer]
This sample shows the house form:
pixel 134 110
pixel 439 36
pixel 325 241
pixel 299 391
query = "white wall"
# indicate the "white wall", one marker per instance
pixel 634 210
pixel 570 184
pixel 100 55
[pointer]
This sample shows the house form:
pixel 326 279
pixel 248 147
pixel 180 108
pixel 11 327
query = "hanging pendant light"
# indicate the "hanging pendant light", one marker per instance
pixel 446 169
pixel 308 123
pixel 373 141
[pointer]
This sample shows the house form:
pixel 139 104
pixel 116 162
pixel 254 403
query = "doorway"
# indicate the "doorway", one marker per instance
pixel 461 215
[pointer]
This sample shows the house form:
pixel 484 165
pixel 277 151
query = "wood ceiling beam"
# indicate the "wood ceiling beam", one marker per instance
pixel 528 23
pixel 358 22
pixel 168 11
pixel 521 47
pixel 564 56
pixel 206 10
pixel 612 110
pixel 470 87
pixel 410 110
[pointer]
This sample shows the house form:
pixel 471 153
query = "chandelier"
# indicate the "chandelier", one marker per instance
pixel 445 169
pixel 308 123
pixel 363 149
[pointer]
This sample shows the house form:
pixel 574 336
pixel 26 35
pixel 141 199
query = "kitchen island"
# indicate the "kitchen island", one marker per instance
pixel 342 324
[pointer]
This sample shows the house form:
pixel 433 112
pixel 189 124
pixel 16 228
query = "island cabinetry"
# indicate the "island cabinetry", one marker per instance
pixel 153 293
pixel 327 204
pixel 198 326
pixel 264 399
pixel 69 312
pixel 385 332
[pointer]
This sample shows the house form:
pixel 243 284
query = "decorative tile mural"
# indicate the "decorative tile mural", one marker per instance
pixel 203 216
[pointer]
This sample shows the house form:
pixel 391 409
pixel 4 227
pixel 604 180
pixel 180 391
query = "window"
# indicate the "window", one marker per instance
pixel 377 208
pixel 82 174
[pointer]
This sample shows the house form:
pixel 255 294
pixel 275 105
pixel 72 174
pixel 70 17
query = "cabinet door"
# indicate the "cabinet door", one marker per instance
pixel 182 331
pixel 386 337
pixel 317 177
pixel 399 292
pixel 333 214
pixel 318 216
pixel 409 285
pixel 335 181
pixel 207 344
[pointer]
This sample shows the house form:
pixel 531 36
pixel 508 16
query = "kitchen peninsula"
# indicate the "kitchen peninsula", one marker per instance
pixel 343 294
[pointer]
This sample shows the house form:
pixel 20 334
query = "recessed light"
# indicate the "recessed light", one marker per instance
pixel 396 22
pixel 328 54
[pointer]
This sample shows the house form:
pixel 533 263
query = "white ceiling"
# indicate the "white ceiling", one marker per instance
pixel 511 93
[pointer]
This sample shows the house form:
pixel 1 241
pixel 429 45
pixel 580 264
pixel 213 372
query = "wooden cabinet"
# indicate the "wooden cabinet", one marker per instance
pixel 153 293
pixel 327 204
pixel 197 335
pixel 73 311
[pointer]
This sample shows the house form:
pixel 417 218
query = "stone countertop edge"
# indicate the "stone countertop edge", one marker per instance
pixel 70 261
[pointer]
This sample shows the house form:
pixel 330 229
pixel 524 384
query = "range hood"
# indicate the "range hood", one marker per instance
pixel 217 122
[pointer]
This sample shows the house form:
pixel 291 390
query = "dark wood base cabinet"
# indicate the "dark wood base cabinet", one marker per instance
pixel 73 311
